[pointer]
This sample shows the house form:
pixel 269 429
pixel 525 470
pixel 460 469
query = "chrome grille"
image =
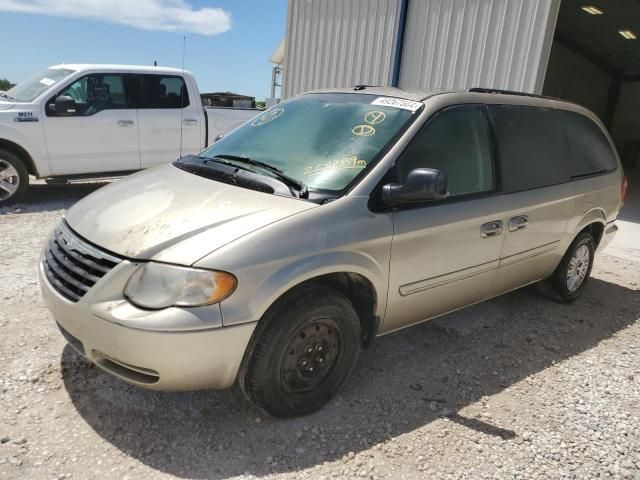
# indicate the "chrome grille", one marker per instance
pixel 72 265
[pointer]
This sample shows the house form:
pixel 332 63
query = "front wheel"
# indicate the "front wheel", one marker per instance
pixel 574 270
pixel 14 178
pixel 305 351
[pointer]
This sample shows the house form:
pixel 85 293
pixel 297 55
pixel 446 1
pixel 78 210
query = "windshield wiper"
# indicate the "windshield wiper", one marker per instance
pixel 290 181
pixel 8 97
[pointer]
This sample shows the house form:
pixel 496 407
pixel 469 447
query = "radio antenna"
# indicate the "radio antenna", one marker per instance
pixel 184 85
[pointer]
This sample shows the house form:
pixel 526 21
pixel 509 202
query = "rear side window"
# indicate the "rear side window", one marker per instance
pixel 591 152
pixel 455 141
pixel 161 91
pixel 532 146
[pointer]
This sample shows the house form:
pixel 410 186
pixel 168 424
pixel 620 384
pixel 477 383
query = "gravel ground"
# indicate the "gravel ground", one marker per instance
pixel 518 387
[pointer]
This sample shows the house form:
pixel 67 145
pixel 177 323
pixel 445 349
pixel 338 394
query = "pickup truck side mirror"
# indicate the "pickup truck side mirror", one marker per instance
pixel 65 106
pixel 421 185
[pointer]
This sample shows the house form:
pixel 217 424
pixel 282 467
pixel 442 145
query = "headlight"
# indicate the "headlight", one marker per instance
pixel 157 285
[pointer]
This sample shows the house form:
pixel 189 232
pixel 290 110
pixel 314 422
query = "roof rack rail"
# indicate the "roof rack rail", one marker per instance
pixel 521 94
pixel 504 92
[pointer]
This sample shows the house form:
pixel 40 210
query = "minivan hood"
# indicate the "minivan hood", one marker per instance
pixel 169 215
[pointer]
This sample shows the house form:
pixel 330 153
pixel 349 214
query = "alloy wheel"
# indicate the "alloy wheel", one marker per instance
pixel 578 268
pixel 9 180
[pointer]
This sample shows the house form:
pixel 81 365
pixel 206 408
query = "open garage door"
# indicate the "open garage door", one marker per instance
pixel 595 61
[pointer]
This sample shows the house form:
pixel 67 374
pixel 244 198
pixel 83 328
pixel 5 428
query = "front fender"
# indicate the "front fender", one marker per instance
pixel 28 136
pixel 241 310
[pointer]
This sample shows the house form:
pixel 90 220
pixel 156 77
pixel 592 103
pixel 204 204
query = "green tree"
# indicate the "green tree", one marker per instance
pixel 5 84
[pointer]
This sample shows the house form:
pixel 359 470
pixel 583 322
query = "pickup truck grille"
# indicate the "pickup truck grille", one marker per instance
pixel 72 265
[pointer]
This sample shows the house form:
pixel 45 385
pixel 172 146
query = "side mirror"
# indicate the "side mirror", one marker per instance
pixel 421 185
pixel 65 106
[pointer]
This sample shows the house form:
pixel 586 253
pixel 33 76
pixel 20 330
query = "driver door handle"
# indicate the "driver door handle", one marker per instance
pixel 189 121
pixel 491 229
pixel 125 123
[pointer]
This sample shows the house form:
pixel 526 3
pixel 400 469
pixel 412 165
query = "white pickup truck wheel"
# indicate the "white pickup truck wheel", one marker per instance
pixel 14 178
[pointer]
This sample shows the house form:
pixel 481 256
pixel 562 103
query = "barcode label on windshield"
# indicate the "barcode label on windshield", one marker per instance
pixel 397 103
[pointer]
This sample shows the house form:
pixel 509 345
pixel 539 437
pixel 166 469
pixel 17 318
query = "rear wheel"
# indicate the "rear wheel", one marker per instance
pixel 305 351
pixel 14 178
pixel 574 270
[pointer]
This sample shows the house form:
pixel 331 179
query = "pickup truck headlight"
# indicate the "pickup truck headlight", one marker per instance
pixel 156 285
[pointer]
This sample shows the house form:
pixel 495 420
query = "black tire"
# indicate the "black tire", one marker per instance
pixel 9 160
pixel 559 280
pixel 275 376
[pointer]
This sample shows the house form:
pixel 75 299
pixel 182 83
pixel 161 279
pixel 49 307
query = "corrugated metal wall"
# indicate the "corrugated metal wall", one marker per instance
pixel 338 43
pixel 457 44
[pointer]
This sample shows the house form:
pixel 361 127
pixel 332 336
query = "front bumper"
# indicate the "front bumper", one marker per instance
pixel 114 335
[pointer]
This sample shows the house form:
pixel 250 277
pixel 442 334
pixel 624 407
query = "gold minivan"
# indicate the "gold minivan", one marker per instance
pixel 278 253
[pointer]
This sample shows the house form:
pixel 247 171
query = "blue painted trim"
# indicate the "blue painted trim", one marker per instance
pixel 397 61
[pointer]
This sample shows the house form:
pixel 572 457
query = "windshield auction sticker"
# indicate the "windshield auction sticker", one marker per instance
pixel 267 117
pixel 397 103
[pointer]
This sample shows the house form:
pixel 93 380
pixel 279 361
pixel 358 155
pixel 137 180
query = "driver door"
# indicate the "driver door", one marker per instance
pixel 445 253
pixel 101 135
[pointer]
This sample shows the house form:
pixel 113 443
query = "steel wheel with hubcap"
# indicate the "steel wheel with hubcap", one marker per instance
pixel 303 350
pixel 310 356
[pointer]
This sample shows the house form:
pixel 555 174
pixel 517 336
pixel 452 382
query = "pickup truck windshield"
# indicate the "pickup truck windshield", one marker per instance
pixel 324 140
pixel 29 90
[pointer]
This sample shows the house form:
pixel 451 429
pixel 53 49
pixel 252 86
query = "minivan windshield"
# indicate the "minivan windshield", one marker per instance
pixel 325 140
pixel 30 89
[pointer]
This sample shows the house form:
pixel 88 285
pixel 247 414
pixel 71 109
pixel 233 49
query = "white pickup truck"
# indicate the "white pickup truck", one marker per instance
pixel 74 122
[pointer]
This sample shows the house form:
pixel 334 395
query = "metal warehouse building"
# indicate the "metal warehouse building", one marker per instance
pixel 586 51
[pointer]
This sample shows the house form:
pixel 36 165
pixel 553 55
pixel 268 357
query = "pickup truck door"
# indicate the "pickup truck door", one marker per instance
pixel 99 135
pixel 170 122
pixel 445 254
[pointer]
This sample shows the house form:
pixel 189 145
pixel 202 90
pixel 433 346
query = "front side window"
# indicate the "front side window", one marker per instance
pixel 455 141
pixel 325 140
pixel 29 90
pixel 96 92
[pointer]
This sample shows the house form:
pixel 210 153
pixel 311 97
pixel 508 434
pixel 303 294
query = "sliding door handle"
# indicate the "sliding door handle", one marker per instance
pixel 491 229
pixel 125 123
pixel 518 223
